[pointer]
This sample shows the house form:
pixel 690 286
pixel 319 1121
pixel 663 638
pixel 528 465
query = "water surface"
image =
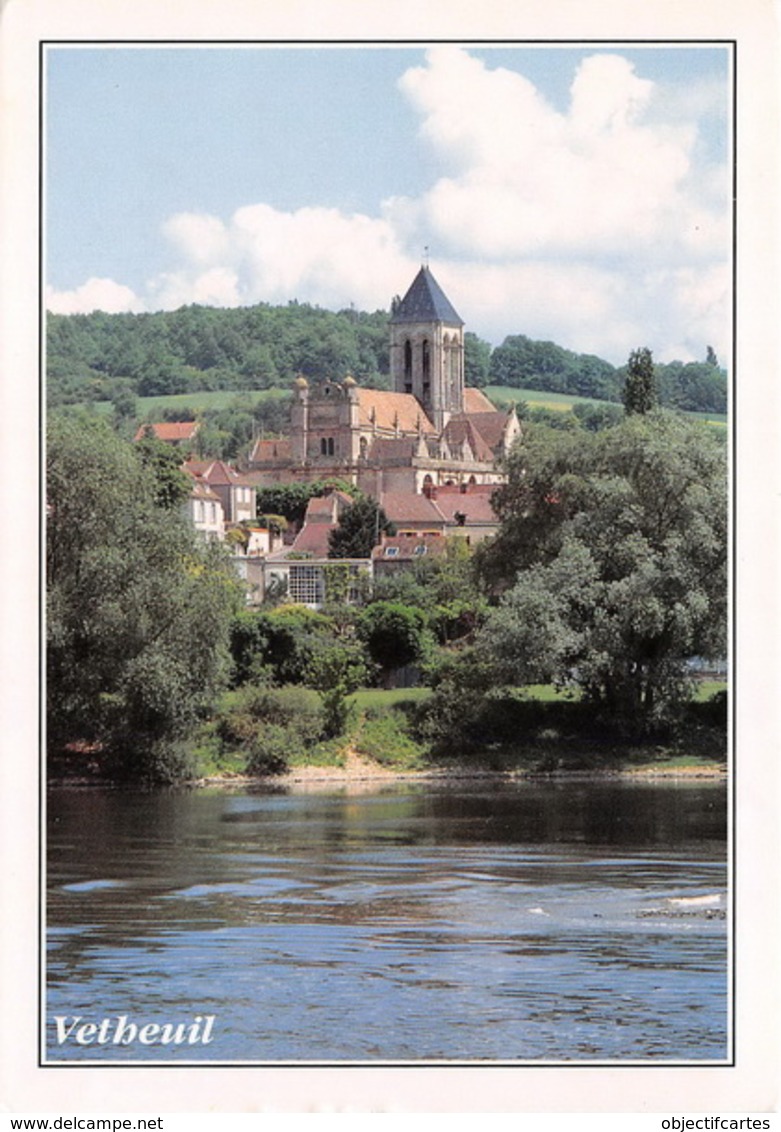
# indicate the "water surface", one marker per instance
pixel 510 922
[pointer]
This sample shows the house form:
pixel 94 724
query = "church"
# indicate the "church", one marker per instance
pixel 429 431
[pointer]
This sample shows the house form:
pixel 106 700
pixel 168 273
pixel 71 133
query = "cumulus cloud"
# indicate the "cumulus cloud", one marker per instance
pixel 600 226
pixel 601 180
pixel 94 295
pixel 318 255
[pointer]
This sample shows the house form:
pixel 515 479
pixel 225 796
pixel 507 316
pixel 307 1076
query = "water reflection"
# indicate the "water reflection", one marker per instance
pixel 506 922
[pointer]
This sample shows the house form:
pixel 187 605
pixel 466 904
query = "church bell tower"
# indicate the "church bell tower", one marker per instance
pixel 427 349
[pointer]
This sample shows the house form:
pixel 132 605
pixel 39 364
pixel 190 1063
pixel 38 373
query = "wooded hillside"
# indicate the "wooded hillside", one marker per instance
pixel 105 357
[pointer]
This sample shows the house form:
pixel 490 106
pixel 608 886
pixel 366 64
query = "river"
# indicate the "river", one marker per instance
pixel 514 922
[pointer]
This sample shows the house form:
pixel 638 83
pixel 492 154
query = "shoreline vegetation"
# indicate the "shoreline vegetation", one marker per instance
pixel 379 748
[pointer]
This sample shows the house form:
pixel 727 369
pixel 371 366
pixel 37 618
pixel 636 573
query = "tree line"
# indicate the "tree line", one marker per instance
pixel 101 357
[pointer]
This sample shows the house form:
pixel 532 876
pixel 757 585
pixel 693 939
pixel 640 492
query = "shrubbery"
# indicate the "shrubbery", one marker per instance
pixel 272 725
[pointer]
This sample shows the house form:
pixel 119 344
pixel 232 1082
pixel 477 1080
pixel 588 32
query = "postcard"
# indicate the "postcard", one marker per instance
pixel 392 603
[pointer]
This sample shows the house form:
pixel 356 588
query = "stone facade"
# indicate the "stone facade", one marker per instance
pixel 430 430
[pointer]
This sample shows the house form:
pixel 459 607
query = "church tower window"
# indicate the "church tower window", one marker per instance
pixel 408 366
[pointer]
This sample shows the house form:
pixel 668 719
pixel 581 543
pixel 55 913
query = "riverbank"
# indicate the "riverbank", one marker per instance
pixel 358 770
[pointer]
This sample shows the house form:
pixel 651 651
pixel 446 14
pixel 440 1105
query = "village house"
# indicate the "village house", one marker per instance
pixel 400 552
pixel 235 491
pixel 203 508
pixel 181 434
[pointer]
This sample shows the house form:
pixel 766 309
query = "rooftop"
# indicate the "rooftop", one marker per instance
pixel 425 301
pixel 172 432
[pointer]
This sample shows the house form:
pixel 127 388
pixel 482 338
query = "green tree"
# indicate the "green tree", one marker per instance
pixel 335 671
pixel 477 360
pixel 639 393
pixel 613 555
pixel 395 635
pixel 359 530
pixel 138 608
pixel 444 587
pixel 596 416
pixel 172 485
pixel 295 633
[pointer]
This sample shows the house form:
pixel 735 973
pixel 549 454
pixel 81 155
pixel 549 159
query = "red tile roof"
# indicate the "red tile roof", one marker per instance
pixel 388 408
pixel 172 432
pixel 313 539
pixel 465 489
pixel 271 450
pixel 217 473
pixel 462 428
pixel 201 490
pixel 491 427
pixel 405 547
pixel 477 508
pixel 475 401
pixel 389 448
pixel 406 507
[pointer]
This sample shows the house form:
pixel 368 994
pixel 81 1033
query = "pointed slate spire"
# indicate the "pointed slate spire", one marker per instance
pixel 425 301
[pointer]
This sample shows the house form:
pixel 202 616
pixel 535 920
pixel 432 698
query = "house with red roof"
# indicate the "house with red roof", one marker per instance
pixel 235 491
pixel 179 433
pixel 203 508
pixel 400 552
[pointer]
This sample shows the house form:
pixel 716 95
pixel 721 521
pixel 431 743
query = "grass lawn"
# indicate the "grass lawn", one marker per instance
pixel 377 698
pixel 198 400
pixel 224 398
pixel 538 398
pixel 563 402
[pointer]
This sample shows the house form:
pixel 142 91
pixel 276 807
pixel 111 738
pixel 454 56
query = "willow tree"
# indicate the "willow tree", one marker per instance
pixel 612 563
pixel 138 606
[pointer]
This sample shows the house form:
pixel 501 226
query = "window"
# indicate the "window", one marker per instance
pixel 420 550
pixel 306 585
pixel 391 552
pixel 327 446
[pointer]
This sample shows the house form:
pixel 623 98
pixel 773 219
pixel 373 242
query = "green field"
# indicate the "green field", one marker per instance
pixel 152 407
pixel 387 698
pixel 198 401
pixel 537 398
pixel 563 402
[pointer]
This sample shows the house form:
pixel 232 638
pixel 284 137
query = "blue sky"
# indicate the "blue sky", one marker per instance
pixel 576 193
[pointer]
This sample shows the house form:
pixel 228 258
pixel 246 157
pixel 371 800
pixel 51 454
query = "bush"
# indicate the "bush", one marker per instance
pixel 271 751
pixel 385 736
pixel 250 715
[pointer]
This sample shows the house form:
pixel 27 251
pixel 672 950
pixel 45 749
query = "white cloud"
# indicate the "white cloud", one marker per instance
pixel 317 255
pixel 94 295
pixel 599 227
pixel 601 180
